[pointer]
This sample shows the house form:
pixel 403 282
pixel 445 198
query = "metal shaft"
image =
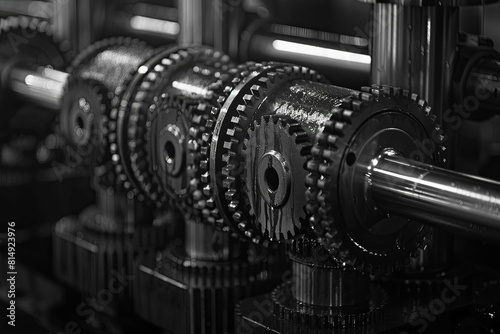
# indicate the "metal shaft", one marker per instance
pixel 43 85
pixel 457 202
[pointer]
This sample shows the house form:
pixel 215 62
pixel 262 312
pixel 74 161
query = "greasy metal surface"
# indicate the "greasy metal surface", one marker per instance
pixel 309 103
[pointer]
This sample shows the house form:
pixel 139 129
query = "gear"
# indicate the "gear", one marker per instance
pixel 275 152
pixel 238 113
pixel 104 67
pixel 359 130
pixel 134 112
pixel 175 148
pixel 201 134
pixel 204 65
pixel 83 122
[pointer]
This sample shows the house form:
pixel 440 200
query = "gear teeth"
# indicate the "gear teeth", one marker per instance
pixel 139 105
pixel 294 133
pixel 241 113
pixel 324 170
pixel 232 78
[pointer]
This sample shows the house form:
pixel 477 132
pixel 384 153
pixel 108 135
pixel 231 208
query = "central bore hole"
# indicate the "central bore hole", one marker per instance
pixel 79 130
pixel 272 179
pixel 170 152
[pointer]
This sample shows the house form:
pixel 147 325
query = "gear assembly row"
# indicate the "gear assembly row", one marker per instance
pixel 248 158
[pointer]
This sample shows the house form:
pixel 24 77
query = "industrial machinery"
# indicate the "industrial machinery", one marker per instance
pixel 249 167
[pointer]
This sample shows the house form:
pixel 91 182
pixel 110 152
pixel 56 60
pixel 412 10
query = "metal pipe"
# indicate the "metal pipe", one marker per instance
pixel 453 201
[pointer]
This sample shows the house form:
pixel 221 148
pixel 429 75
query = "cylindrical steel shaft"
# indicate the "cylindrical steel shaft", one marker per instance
pixel 44 85
pixel 460 203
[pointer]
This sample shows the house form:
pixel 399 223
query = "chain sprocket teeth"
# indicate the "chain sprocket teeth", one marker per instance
pixel 327 156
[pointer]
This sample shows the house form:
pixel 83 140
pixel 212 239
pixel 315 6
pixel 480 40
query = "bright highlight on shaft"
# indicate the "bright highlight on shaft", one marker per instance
pixel 317 51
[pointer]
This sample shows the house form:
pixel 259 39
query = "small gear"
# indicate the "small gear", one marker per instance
pixel 359 130
pixel 275 152
pixel 239 111
pixel 83 121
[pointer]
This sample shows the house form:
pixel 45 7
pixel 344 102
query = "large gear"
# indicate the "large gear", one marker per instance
pixel 239 111
pixel 366 124
pixel 275 153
